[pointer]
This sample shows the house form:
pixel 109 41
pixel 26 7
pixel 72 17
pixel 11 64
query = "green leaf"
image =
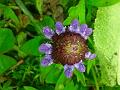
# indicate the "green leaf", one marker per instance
pixel 53 75
pixel 6 62
pixel 80 77
pixel 2 23
pixel 107 43
pixel 77 12
pixel 64 2
pixel 29 88
pixel 39 4
pixel 9 14
pixel 44 71
pixel 31 46
pixel 60 82
pixel 48 21
pixel 100 3
pixel 6 86
pixel 70 86
pixel 21 37
pixel 90 63
pixel 7 40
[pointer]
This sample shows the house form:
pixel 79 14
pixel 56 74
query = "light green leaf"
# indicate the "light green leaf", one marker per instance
pixel 60 82
pixel 70 86
pixel 6 62
pixel 77 12
pixel 100 3
pixel 7 40
pixel 64 2
pixel 80 77
pixel 39 4
pixel 44 71
pixel 31 47
pixel 90 63
pixel 48 21
pixel 29 88
pixel 107 43
pixel 53 75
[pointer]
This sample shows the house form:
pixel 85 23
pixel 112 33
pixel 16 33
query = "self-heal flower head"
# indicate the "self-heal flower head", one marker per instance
pixel 68 46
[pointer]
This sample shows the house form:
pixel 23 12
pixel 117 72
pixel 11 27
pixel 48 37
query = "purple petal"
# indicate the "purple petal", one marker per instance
pixel 46 48
pixel 59 28
pixel 68 70
pixel 89 55
pixel 83 28
pixel 80 66
pixel 75 24
pixel 74 27
pixel 85 31
pixel 48 32
pixel 47 61
pixel 59 25
pixel 88 32
pixel 92 56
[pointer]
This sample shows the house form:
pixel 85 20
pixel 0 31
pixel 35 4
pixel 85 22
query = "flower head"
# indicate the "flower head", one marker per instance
pixel 68 46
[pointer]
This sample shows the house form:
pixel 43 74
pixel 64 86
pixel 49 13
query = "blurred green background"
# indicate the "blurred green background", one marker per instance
pixel 21 24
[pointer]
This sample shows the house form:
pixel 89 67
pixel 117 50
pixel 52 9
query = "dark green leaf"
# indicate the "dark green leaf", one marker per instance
pixel 21 38
pixel 7 40
pixel 9 13
pixel 6 62
pixel 24 9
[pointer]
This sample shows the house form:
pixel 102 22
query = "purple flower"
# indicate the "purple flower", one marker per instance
pixel 48 32
pixel 75 27
pixel 68 70
pixel 59 28
pixel 47 60
pixel 46 48
pixel 68 46
pixel 80 66
pixel 85 32
pixel 89 55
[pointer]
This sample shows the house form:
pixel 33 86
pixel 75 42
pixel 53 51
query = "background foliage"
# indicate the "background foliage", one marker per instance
pixel 21 24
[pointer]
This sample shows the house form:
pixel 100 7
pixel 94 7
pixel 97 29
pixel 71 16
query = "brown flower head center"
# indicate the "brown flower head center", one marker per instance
pixel 68 48
pixel 73 48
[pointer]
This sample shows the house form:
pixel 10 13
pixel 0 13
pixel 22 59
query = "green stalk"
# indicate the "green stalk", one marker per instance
pixel 27 12
pixel 24 9
pixel 95 79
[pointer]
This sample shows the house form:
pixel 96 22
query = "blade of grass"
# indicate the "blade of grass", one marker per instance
pixel 95 78
pixel 27 12
pixel 24 9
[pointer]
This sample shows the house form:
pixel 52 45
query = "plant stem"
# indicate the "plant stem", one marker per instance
pixel 95 78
